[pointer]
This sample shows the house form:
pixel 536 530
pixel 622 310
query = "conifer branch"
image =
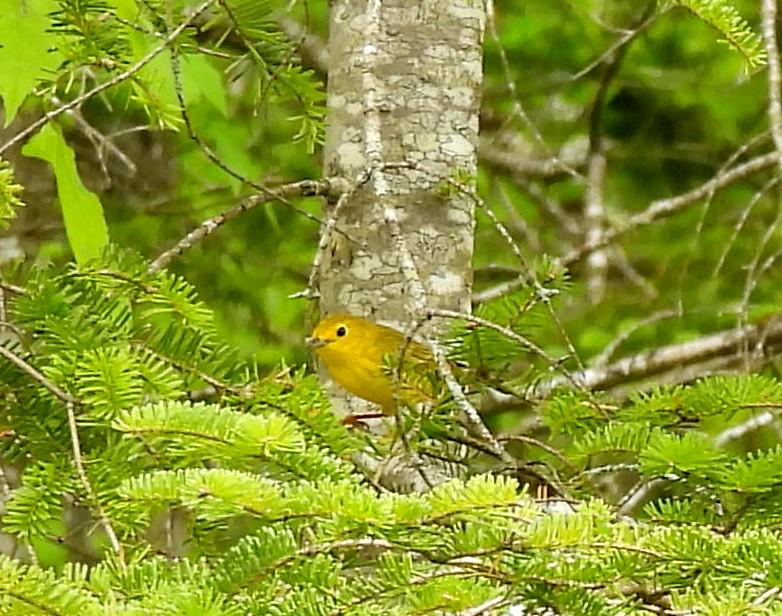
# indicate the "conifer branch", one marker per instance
pixel 70 404
pixel 94 503
pixel 36 375
pixel 117 79
pixel 734 30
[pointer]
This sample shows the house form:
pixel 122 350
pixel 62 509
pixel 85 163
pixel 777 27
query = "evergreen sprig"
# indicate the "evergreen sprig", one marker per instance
pixel 9 194
pixel 733 29
pixel 257 478
pixel 89 36
pixel 278 75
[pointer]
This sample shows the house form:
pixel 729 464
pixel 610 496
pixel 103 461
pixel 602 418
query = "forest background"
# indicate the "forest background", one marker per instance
pixel 161 457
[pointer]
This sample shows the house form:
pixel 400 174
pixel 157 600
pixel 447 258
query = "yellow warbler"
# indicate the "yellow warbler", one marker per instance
pixel 354 351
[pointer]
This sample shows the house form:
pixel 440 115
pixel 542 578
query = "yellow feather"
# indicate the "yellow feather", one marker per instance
pixel 354 351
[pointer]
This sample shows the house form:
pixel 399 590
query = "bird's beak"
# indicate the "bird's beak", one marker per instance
pixel 314 343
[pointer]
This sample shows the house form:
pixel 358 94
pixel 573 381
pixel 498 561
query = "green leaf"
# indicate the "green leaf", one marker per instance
pixel 25 45
pixel 201 80
pixel 82 211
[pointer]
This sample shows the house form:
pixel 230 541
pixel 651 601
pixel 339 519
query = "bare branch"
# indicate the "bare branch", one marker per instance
pixel 404 473
pixel 610 349
pixel 594 218
pixel 473 418
pixel 757 338
pixel 487 607
pixel 725 347
pixel 638 496
pixel 298 189
pixel 667 207
pixel 101 142
pixel 738 432
pixel 656 210
pixel 760 193
pixel 524 165
pixel 518 110
pixel 312 49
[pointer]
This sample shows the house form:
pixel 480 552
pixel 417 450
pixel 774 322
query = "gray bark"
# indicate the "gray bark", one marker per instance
pixel 403 97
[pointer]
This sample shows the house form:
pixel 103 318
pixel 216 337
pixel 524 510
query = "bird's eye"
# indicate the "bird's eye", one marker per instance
pixel 342 331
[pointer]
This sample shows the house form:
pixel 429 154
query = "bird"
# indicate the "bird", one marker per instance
pixel 356 354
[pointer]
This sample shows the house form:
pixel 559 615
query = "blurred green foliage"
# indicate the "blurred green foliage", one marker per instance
pixel 162 372
pixel 668 104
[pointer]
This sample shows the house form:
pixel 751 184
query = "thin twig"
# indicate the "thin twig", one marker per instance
pixel 327 237
pixel 768 9
pixel 542 294
pixel 70 405
pixel 635 498
pixel 622 263
pixel 7 286
pixel 489 606
pixel 100 141
pixel 119 78
pixel 737 432
pixel 509 333
pixel 759 194
pixel 472 416
pixel 755 270
pixel 667 207
pixel 301 189
pixel 553 451
pixel 312 49
pixel 270 193
pixel 622 42
pixel 610 349
pixel 36 375
pixel 510 83
pixel 529 233
pixel 151 32
pixel 85 481
pixel 549 205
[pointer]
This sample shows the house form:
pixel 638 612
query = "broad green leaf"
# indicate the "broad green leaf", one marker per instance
pixel 200 79
pixel 127 9
pixel 81 209
pixel 25 56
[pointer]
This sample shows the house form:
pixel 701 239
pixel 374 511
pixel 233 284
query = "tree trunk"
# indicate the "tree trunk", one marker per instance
pixel 403 97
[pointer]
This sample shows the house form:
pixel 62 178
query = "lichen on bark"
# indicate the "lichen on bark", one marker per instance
pixel 403 97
